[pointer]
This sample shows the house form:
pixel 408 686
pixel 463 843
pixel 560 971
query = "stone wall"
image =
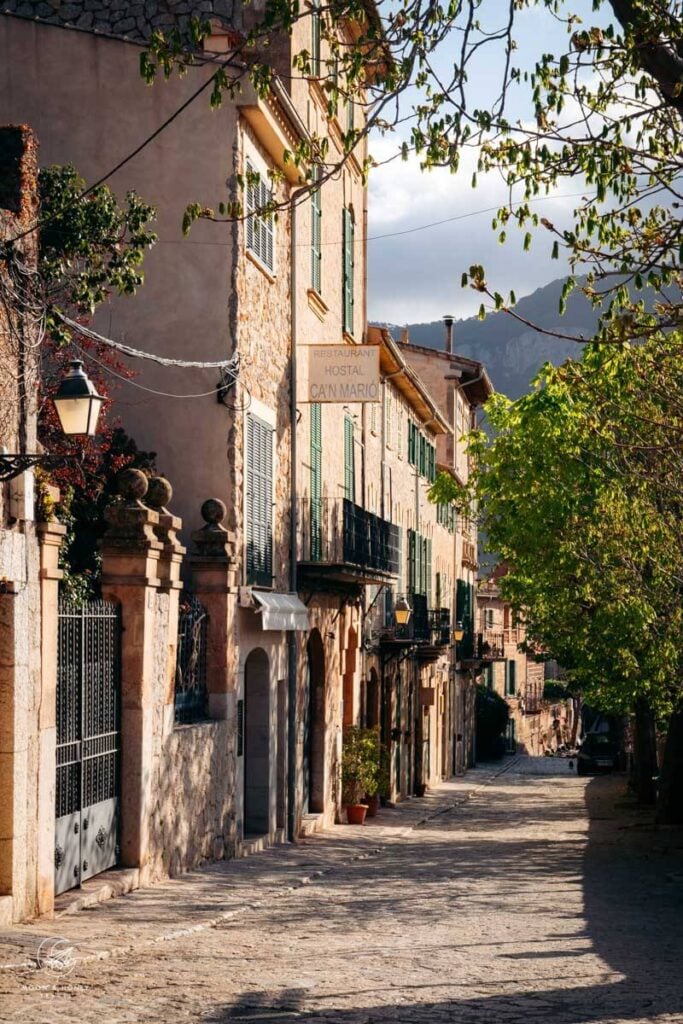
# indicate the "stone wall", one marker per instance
pixel 25 719
pixel 194 817
pixel 130 21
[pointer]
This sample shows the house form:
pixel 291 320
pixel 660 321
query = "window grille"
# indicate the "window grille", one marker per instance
pixel 191 698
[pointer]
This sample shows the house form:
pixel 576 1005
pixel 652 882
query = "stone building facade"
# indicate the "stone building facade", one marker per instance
pixel 282 589
pixel 536 726
pixel 459 386
pixel 28 565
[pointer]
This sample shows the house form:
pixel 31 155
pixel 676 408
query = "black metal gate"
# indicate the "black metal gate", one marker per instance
pixel 88 741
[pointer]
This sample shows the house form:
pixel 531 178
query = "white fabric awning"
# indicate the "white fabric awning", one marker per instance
pixel 281 611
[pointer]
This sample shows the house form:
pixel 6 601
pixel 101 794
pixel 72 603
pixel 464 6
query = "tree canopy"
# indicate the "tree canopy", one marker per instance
pixel 604 112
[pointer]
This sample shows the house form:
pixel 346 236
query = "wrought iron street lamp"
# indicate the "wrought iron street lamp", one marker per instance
pixel 78 407
pixel 402 612
pixel 458 632
pixel 77 402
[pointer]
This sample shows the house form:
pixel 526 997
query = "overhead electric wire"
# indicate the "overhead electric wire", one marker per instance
pixel 231 363
pixel 405 231
pixel 130 156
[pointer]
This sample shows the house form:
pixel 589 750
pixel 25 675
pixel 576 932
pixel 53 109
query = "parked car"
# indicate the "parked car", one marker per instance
pixel 597 753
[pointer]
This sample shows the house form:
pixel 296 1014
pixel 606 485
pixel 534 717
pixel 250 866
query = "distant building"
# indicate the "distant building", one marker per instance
pixel 536 726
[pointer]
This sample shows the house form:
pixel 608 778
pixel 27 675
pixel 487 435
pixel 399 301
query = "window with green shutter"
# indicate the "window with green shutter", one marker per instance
pixel 422 447
pixel 260 227
pixel 510 678
pixel 464 605
pixel 347 270
pixel 412 574
pixel 316 235
pixel 316 481
pixel 349 460
pixel 401 576
pixel 259 531
pixel 427 570
pixel 431 462
pixel 412 454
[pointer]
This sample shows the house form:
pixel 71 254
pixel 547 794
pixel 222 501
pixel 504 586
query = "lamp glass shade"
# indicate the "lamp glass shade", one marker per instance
pixel 458 632
pixel 402 611
pixel 77 402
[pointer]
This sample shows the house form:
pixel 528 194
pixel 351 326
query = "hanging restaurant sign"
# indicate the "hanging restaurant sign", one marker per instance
pixel 342 373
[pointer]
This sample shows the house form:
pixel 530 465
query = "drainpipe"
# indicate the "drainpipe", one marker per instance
pixel 293 520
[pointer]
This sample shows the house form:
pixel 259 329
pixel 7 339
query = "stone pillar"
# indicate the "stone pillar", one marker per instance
pixel 159 494
pixel 214 582
pixel 50 536
pixel 130 566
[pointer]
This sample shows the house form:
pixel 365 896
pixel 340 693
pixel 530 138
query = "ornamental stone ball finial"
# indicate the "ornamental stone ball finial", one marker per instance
pixel 159 493
pixel 213 513
pixel 132 484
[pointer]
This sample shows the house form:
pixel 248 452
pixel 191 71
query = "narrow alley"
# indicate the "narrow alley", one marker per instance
pixel 527 895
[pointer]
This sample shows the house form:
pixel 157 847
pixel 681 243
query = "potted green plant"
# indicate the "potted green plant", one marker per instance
pixel 359 769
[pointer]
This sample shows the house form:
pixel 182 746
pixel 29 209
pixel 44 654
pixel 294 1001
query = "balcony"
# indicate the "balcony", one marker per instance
pixel 428 629
pixel 469 555
pixel 491 645
pixel 343 544
pixel 481 649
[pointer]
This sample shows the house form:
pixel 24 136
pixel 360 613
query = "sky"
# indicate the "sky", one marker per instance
pixel 415 277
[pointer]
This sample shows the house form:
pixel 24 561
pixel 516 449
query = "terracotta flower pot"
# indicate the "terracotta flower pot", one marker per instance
pixel 355 813
pixel 373 805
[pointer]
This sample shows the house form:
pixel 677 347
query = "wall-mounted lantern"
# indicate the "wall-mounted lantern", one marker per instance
pixel 78 408
pixel 402 612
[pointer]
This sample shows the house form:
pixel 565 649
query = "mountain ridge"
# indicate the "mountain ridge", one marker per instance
pixel 512 352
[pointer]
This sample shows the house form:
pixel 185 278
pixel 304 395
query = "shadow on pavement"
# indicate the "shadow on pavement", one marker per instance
pixel 630 878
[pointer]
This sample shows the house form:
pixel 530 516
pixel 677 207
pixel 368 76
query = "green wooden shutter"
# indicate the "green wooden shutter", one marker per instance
pixel 399 545
pixel 431 463
pixel 463 614
pixel 259 531
pixel 347 270
pixel 316 236
pixel 316 475
pixel 423 456
pixel 411 561
pixel 511 678
pixel 437 603
pixel 427 570
pixel 349 460
pixel 419 561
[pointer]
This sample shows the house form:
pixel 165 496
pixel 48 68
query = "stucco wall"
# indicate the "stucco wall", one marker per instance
pixel 84 96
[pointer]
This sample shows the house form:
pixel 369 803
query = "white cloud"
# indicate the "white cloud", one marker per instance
pixel 415 277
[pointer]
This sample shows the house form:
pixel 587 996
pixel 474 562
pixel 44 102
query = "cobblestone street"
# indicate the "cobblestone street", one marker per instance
pixel 530 896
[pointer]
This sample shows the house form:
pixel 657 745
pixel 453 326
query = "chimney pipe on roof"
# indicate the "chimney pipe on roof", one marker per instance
pixel 448 321
pixel 405 337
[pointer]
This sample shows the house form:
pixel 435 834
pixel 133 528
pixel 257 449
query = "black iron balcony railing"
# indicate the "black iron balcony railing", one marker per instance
pixel 337 532
pixel 491 646
pixel 429 626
